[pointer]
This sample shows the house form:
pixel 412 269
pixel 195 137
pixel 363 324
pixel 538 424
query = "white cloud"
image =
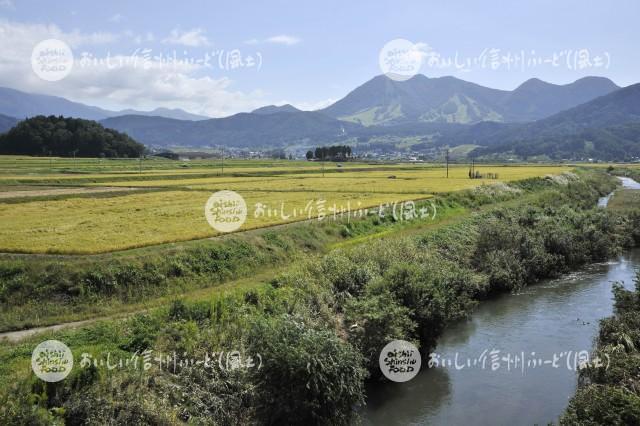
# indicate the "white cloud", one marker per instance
pixel 18 39
pixel 192 38
pixel 7 4
pixel 117 18
pixel 131 83
pixel 140 38
pixel 284 39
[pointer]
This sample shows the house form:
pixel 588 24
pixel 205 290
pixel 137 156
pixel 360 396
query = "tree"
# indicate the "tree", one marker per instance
pixel 309 155
pixel 331 153
pixel 67 137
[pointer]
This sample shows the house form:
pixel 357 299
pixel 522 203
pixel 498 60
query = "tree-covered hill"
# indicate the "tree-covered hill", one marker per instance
pixel 66 137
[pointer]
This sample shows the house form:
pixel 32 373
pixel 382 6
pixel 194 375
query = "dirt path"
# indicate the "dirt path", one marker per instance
pixel 198 294
pixel 65 191
pixel 16 336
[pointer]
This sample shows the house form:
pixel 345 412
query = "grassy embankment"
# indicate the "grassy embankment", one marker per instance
pixel 320 325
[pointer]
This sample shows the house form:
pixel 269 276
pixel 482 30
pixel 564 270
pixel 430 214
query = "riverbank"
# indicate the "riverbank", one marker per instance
pixel 320 326
pixel 512 362
pixel 554 319
pixel 609 390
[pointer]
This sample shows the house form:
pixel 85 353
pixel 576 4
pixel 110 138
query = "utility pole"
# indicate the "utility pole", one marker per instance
pixel 140 164
pixel 447 156
pixel 222 161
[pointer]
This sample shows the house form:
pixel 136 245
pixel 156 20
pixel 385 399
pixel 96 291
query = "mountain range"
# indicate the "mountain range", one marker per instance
pixel 607 127
pixel 243 130
pixel 383 101
pixel 591 117
pixel 498 116
pixel 18 104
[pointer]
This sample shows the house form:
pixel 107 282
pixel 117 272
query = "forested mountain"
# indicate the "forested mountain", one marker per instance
pixel 241 130
pixel 451 100
pixel 606 128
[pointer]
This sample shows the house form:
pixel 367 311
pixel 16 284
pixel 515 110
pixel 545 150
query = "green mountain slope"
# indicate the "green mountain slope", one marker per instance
pixel 382 101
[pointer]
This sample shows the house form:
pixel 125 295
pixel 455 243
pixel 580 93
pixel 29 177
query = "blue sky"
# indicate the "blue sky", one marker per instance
pixel 311 52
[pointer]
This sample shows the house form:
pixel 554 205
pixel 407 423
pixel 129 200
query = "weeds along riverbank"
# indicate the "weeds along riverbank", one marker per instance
pixel 611 395
pixel 320 325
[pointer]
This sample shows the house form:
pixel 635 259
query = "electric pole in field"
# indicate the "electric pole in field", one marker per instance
pixel 222 160
pixel 447 158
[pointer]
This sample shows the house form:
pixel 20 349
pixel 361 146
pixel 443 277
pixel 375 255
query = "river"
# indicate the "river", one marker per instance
pixel 555 320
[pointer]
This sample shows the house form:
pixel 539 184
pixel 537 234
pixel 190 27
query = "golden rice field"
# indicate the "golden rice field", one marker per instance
pixel 170 204
pixel 420 180
pixel 91 225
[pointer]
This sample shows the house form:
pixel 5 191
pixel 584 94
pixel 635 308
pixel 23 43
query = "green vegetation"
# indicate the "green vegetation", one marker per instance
pixel 610 393
pixel 320 325
pixel 37 291
pixel 331 153
pixel 67 137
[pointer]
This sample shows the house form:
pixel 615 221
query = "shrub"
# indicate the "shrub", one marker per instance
pixel 141 334
pixel 374 321
pixel 308 376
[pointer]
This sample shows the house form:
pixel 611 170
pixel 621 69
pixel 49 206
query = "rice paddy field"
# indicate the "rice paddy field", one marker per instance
pixel 86 206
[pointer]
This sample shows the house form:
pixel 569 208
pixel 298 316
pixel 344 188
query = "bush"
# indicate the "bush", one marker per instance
pixel 602 405
pixel 309 376
pixel 142 331
pixel 375 320
pixel 611 395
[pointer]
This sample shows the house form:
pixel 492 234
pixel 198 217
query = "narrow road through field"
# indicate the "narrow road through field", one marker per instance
pixel 247 282
pixel 64 191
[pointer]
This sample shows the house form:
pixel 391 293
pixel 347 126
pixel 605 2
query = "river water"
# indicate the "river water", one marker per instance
pixel 541 330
